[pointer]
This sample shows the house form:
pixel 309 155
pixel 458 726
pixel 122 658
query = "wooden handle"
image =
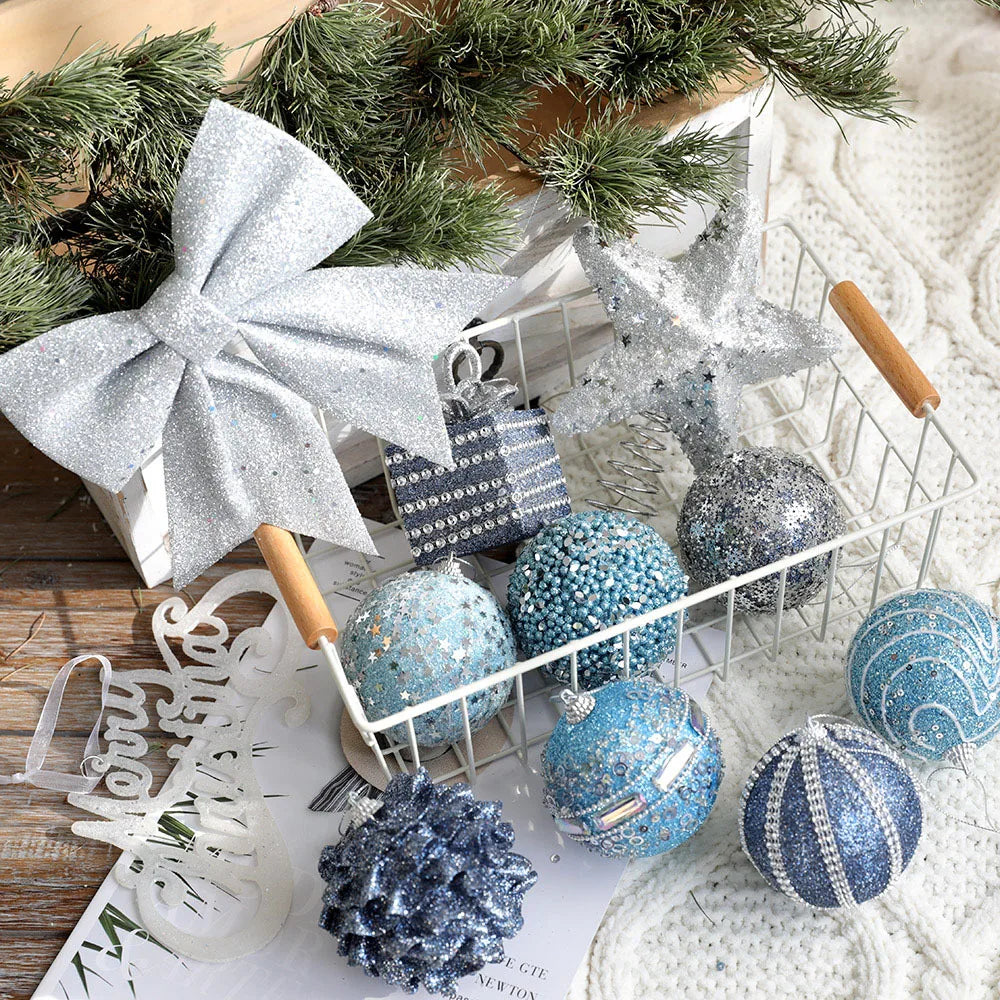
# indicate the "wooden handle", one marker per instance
pixel 881 345
pixel 295 581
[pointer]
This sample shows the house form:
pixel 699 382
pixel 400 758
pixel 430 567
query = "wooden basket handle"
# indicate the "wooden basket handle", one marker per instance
pixel 881 345
pixel 295 581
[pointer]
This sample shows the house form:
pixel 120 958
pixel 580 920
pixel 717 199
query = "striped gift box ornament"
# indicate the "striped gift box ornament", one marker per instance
pixel 507 483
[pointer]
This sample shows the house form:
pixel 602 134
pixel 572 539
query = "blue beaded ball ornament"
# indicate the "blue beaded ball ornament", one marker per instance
pixel 632 768
pixel 923 671
pixel 583 573
pixel 423 634
pixel 423 888
pixel 830 815
pixel 750 509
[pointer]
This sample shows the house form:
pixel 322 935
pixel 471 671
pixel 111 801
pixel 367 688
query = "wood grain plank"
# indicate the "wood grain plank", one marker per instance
pixel 33 33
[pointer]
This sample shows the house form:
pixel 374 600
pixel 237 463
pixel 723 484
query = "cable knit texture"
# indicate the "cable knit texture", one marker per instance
pixel 913 217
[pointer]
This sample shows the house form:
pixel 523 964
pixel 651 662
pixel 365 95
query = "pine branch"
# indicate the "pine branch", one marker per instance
pixel 172 78
pixel 424 217
pixel 652 49
pixel 331 77
pixel 36 294
pixel 473 66
pixel 122 242
pixel 50 125
pixel 613 171
pixel 840 66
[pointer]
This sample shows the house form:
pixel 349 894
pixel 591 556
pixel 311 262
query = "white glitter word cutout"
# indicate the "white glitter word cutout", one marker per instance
pixel 207 831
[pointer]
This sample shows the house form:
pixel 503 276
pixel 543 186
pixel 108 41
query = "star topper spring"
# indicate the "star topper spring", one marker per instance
pixel 689 334
pixel 254 212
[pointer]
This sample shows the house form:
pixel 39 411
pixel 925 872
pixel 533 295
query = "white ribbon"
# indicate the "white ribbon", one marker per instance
pixel 34 773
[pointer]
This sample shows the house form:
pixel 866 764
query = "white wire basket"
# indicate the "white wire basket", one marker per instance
pixel 893 489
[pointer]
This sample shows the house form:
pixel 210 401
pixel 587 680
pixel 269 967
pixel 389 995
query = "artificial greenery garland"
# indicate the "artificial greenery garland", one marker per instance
pixel 404 107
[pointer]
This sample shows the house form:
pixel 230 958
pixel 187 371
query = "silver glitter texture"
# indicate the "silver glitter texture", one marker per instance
pixel 752 508
pixel 253 212
pixel 689 334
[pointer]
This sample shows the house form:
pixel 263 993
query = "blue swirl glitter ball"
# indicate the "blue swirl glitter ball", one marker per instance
pixel 632 768
pixel 830 815
pixel 583 573
pixel 750 509
pixel 923 671
pixel 425 890
pixel 423 634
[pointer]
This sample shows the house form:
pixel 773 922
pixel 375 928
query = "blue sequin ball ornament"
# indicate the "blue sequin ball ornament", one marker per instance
pixel 632 768
pixel 423 888
pixel 923 671
pixel 830 815
pixel 423 634
pixel 583 573
pixel 750 509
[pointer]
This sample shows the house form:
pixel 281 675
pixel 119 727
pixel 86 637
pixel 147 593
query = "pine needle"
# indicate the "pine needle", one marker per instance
pixel 36 627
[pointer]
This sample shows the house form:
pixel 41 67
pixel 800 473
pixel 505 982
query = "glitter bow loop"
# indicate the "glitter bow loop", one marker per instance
pixel 254 211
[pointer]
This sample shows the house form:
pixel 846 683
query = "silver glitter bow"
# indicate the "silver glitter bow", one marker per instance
pixel 472 396
pixel 253 212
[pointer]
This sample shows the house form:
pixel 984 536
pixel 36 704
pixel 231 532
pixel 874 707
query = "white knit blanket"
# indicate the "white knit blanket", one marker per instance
pixel 913 217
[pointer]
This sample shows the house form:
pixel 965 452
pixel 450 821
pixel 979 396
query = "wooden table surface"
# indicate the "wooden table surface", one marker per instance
pixel 59 558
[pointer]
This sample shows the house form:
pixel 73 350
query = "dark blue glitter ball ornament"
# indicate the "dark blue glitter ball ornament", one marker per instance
pixel 425 888
pixel 750 509
pixel 830 814
pixel 632 768
pixel 923 671
pixel 423 634
pixel 583 573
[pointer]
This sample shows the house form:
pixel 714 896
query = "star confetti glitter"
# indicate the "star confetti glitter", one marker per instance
pixel 689 334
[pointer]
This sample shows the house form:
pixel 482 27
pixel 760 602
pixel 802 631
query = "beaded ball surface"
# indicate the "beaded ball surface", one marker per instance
pixel 425 890
pixel 632 768
pixel 830 815
pixel 923 671
pixel 420 635
pixel 751 508
pixel 585 572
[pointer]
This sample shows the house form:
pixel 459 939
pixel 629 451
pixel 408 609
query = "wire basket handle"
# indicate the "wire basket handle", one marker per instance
pixel 298 587
pixel 883 347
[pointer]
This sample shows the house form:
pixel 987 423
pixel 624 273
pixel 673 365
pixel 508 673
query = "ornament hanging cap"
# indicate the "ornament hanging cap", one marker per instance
pixel 451 565
pixel 362 809
pixel 579 704
pixel 962 756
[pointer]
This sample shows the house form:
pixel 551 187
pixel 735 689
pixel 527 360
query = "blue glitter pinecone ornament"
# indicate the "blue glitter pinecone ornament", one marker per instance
pixel 830 815
pixel 632 768
pixel 583 573
pixel 423 889
pixel 423 634
pixel 923 671
pixel 750 509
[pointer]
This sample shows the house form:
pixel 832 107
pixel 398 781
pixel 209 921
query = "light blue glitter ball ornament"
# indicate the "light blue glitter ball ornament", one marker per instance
pixel 923 671
pixel 632 768
pixel 830 815
pixel 423 634
pixel 585 572
pixel 750 509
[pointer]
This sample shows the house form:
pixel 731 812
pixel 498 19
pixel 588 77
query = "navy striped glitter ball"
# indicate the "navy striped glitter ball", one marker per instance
pixel 830 815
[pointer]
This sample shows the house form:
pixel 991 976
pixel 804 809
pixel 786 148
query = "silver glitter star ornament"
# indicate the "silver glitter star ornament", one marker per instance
pixel 254 211
pixel 689 334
